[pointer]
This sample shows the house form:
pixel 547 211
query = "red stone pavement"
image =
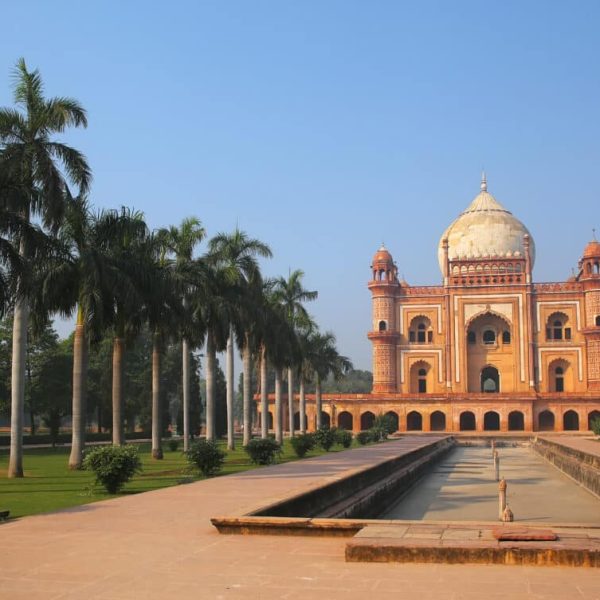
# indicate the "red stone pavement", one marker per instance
pixel 590 445
pixel 161 545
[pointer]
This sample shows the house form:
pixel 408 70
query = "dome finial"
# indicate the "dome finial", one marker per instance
pixel 483 182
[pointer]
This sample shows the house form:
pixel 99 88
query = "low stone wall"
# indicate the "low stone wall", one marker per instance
pixel 581 466
pixel 363 494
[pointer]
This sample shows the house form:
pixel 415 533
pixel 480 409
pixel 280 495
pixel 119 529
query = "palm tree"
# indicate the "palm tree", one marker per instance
pixel 31 157
pixel 250 319
pixel 291 294
pixel 129 248
pixel 325 360
pixel 282 349
pixel 267 330
pixel 181 242
pixel 305 371
pixel 163 311
pixel 13 266
pixel 82 280
pixel 236 254
pixel 209 317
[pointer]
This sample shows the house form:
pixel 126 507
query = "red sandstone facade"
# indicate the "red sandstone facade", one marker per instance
pixel 488 349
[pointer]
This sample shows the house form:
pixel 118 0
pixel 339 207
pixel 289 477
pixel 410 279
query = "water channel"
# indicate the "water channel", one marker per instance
pixel 462 487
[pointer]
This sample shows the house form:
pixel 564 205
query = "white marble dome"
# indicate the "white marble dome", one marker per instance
pixel 485 229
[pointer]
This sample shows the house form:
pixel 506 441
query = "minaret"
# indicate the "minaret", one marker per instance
pixel 384 335
pixel 589 275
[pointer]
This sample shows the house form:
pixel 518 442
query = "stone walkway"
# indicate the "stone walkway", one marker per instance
pixel 161 545
pixel 590 445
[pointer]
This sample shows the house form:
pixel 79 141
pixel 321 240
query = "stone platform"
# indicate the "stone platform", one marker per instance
pixel 476 543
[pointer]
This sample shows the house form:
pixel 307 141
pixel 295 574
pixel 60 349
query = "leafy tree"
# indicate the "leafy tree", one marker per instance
pixel 354 381
pixel 50 389
pixel 47 375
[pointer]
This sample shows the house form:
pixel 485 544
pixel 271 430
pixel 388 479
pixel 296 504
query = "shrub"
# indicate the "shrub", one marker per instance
pixel 173 445
pixel 113 466
pixel 325 437
pixel 206 456
pixel 363 437
pixel 382 427
pixel 263 451
pixel 595 425
pixel 343 437
pixel 303 443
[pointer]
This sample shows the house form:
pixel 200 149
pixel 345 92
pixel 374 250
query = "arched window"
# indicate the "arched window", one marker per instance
pixel 597 320
pixel 506 337
pixel 422 381
pixel 596 268
pixel 560 379
pixel 382 325
pixel 471 337
pixel 489 336
pixel 556 328
pixel 420 331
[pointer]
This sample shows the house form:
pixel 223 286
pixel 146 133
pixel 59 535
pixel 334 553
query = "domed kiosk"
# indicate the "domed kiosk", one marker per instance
pixel 485 230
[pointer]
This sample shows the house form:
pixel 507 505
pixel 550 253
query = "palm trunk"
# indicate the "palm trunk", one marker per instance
pixel 156 425
pixel 264 397
pixel 230 384
pixel 210 387
pixel 17 390
pixel 278 407
pixel 80 356
pixel 291 400
pixel 302 406
pixel 117 392
pixel 318 402
pixel 247 399
pixel 185 373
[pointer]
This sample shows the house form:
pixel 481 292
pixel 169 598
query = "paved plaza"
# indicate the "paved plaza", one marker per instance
pixel 161 545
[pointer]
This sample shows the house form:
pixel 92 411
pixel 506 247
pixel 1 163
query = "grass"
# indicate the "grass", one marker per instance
pixel 49 485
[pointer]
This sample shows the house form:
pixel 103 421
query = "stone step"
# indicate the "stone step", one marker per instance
pixel 456 544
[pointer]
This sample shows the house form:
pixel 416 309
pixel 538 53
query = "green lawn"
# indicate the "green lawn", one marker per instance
pixel 49 485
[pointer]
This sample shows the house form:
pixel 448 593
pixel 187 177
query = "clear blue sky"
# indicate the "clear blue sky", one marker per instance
pixel 324 127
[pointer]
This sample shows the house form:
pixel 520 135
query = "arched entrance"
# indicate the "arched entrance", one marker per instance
pixel 345 420
pixel 571 421
pixel 270 420
pixel 491 421
pixel 516 421
pixel 366 420
pixel 560 376
pixel 414 421
pixel 489 347
pixel 325 420
pixel 546 421
pixel 593 416
pixel 393 419
pixel 467 421
pixel 297 420
pixel 490 380
pixel 437 421
pixel 421 377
